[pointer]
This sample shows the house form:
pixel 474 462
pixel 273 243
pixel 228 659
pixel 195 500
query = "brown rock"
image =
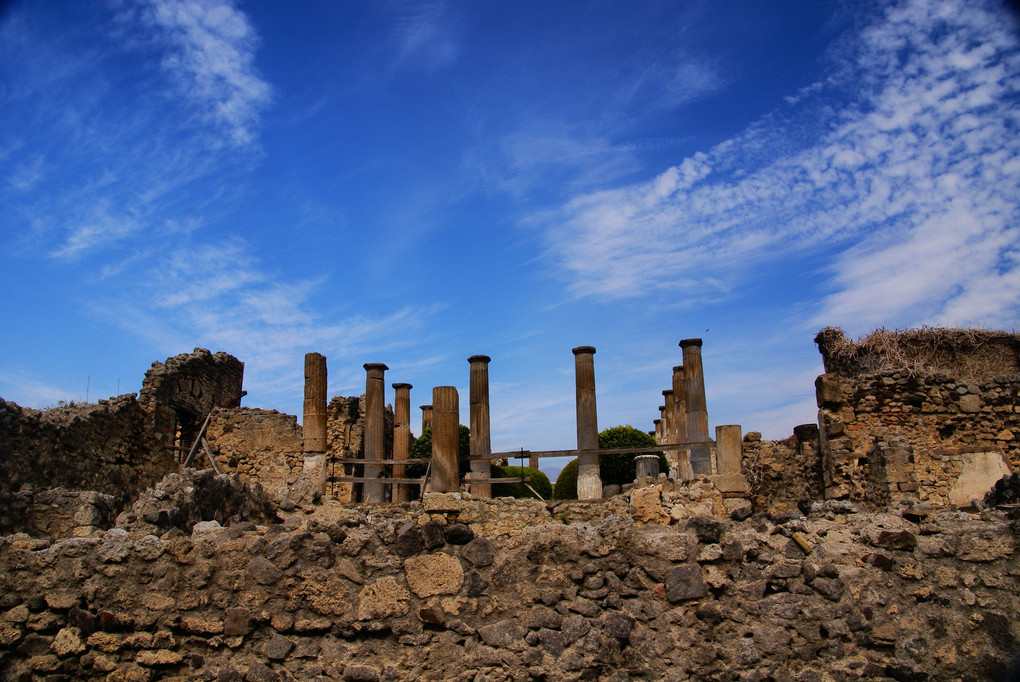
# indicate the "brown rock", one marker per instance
pixel 382 599
pixel 433 574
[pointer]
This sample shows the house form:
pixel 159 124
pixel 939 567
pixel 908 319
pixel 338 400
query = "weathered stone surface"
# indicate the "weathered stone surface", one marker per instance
pixel 236 622
pixel 981 470
pixel 263 571
pixel 685 582
pixel 432 574
pixel 383 598
pixel 67 642
pixel 278 647
pixel 479 552
pixel 902 540
pixel 158 658
pixel 646 506
pixel 502 634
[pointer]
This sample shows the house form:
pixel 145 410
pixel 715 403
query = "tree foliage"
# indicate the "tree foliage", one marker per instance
pixel 539 481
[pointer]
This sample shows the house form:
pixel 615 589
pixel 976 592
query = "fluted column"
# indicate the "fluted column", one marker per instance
pixel 589 481
pixel 480 442
pixel 401 437
pixel 697 409
pixel 375 425
pixel 679 435
pixel 426 417
pixel 313 425
pixel 445 437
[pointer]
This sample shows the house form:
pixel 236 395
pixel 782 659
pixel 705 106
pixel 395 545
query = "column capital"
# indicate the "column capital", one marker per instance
pixel 667 392
pixel 479 358
pixel 678 368
pixel 690 342
pixel 369 366
pixel 424 407
pixel 400 386
pixel 583 349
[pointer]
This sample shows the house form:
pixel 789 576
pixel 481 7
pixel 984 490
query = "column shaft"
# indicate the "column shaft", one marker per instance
pixel 697 410
pixel 313 425
pixel 375 437
pixel 401 437
pixel 480 442
pixel 684 472
pixel 445 437
pixel 426 417
pixel 589 481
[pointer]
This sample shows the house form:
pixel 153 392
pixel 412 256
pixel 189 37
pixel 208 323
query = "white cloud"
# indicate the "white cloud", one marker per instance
pixel 917 153
pixel 210 55
pixel 425 36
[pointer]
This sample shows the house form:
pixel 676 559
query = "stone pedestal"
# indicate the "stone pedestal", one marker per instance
pixel 313 424
pixel 401 437
pixel 375 436
pixel 696 408
pixel 647 466
pixel 589 481
pixel 729 453
pixel 445 437
pixel 480 442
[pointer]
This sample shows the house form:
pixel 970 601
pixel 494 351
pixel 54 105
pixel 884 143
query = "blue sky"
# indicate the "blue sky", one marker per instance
pixel 414 183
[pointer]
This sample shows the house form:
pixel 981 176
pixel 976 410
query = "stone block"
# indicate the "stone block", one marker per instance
pixel 828 390
pixel 731 483
pixel 433 574
pixel 443 502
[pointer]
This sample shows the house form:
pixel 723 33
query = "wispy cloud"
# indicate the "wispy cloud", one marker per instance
pixel 425 36
pixel 210 56
pixel 911 148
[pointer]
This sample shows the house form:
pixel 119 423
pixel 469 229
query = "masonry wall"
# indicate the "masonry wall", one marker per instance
pixel 907 421
pixel 261 445
pixel 783 473
pixel 107 446
pixel 506 590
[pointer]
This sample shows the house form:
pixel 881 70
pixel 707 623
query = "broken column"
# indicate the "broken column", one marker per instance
pixel 426 417
pixel 647 466
pixel 589 481
pixel 445 439
pixel 480 442
pixel 697 409
pixel 729 452
pixel 668 427
pixel 401 437
pixel 375 425
pixel 679 435
pixel 313 424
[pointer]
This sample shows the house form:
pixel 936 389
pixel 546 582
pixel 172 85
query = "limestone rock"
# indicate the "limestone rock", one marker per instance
pixel 432 574
pixel 382 599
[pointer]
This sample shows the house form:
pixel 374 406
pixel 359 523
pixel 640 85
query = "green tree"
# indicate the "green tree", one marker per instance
pixel 566 482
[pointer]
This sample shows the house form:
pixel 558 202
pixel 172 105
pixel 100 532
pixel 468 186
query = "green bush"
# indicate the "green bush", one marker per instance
pixel 614 469
pixel 621 469
pixel 566 482
pixel 539 481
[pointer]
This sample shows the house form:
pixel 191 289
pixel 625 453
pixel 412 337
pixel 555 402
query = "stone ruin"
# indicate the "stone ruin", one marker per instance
pixel 861 547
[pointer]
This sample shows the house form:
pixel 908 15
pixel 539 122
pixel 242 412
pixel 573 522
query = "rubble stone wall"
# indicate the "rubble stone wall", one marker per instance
pixel 783 473
pixel 927 414
pixel 182 391
pixel 107 446
pixel 261 445
pixel 501 589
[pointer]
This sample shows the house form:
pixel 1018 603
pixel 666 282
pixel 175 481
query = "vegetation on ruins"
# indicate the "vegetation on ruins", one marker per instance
pixel 618 469
pixel 966 353
pixel 537 480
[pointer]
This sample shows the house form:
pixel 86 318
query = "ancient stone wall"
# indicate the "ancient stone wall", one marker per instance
pixel 107 446
pixel 497 589
pixel 182 391
pixel 919 417
pixel 260 445
pixel 783 473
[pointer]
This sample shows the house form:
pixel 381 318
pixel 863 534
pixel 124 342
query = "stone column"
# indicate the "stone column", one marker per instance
pixel 683 472
pixel 533 461
pixel 729 454
pixel 656 433
pixel 401 437
pixel 313 425
pixel 426 417
pixel 589 481
pixel 445 439
pixel 481 444
pixel 697 410
pixel 669 424
pixel 375 425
